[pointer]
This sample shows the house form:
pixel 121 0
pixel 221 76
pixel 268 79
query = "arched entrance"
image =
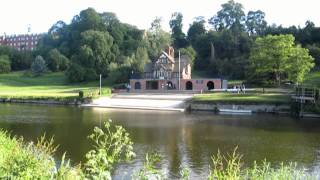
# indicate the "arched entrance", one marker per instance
pixel 210 85
pixel 137 85
pixel 170 85
pixel 189 85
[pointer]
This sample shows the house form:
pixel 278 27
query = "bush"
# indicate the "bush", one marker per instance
pixel 90 74
pixel 5 66
pixel 75 73
pixel 57 61
pixel 38 66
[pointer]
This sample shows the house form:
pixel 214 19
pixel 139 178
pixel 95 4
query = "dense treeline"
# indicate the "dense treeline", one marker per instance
pixel 98 43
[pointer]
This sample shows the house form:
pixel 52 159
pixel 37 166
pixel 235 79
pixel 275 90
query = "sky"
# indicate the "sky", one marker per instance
pixel 17 15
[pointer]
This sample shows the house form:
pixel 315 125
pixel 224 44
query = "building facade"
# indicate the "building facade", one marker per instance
pixel 21 42
pixel 167 73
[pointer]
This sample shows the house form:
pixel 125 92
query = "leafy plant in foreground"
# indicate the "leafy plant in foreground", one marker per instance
pixel 112 144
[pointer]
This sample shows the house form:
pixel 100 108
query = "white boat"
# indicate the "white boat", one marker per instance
pixel 240 111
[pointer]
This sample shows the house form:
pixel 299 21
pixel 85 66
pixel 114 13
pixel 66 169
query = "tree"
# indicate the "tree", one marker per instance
pixel 156 39
pixel 38 66
pixel 314 51
pixel 196 29
pixel 5 66
pixel 57 61
pixel 179 39
pixel 278 57
pixel 300 63
pixel 141 58
pixel 255 22
pixel 94 55
pixel 231 16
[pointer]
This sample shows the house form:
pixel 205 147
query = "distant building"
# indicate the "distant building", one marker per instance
pixel 21 41
pixel 164 74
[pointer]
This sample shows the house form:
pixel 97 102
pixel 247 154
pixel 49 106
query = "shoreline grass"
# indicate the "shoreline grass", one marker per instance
pixel 248 98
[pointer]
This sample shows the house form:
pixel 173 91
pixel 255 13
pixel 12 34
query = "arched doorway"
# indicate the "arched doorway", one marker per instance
pixel 170 85
pixel 210 85
pixel 137 85
pixel 189 85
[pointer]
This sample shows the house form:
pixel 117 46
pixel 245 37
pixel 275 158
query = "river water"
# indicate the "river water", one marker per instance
pixel 183 139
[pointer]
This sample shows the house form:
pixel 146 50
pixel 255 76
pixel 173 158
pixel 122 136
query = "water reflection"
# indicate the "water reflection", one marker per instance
pixel 184 140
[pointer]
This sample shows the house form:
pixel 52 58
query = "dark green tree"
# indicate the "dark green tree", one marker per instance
pixel 5 66
pixel 256 23
pixel 231 16
pixel 179 38
pixel 196 29
pixel 38 66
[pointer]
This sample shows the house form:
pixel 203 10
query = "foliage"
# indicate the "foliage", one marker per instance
pixel 150 169
pixel 231 16
pixel 4 64
pixel 314 51
pixel 57 61
pixel 112 144
pixel 230 166
pixel 277 56
pixel 300 64
pixel 156 39
pixel 38 66
pixel 226 167
pixel 19 60
pixel 255 22
pixel 25 161
pixel 179 39
pixel 75 73
pixel 92 41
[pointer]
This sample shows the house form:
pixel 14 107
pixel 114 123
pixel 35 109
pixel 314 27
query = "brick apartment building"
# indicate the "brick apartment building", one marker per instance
pixel 21 41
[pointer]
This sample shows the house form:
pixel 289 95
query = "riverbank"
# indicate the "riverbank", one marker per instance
pixel 51 88
pixel 251 102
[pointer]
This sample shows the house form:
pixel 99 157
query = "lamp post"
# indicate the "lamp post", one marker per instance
pixel 100 86
pixel 179 71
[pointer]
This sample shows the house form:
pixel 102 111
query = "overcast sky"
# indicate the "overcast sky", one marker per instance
pixel 17 15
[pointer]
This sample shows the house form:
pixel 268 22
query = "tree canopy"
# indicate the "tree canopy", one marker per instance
pixel 277 57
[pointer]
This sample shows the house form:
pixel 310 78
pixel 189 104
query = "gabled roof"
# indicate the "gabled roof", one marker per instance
pixel 169 57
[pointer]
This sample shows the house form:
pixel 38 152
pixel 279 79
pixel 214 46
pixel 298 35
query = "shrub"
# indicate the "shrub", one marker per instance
pixel 38 66
pixel 112 144
pixel 5 66
pixel 57 61
pixel 90 74
pixel 75 73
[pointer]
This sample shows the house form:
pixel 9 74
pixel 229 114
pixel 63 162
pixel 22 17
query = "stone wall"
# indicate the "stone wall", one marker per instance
pixel 254 107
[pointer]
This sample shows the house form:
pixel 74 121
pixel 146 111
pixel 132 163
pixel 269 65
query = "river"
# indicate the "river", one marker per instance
pixel 183 139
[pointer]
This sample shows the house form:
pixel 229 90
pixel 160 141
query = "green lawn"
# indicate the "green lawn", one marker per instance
pixel 51 85
pixel 252 98
pixel 313 79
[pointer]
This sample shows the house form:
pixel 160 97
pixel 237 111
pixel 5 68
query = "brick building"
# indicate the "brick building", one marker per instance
pixel 164 74
pixel 21 42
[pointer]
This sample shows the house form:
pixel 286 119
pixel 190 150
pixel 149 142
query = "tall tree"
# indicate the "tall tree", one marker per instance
pixel 255 22
pixel 196 29
pixel 179 38
pixel 278 57
pixel 156 39
pixel 231 16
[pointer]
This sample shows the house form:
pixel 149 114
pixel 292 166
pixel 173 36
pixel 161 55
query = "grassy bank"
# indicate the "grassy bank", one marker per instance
pixel 248 98
pixel 49 86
